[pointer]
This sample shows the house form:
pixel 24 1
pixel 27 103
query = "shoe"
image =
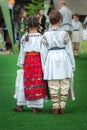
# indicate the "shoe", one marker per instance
pixel 18 108
pixel 36 110
pixel 55 111
pixel 62 111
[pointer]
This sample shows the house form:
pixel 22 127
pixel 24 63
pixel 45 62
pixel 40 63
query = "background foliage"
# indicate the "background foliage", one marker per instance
pixel 34 7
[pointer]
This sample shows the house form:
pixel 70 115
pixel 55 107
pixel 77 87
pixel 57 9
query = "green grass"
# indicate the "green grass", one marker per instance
pixel 84 47
pixel 75 117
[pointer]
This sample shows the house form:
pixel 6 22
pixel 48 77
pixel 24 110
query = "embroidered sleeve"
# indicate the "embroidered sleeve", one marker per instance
pixel 66 38
pixel 44 41
pixel 44 50
pixel 69 50
pixel 21 56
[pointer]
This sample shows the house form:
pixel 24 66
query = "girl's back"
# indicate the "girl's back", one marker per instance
pixel 33 44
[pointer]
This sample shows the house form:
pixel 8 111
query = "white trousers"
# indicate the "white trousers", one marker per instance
pixel 58 99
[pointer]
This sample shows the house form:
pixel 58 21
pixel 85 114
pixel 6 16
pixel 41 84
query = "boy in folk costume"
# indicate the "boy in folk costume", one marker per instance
pixel 58 62
pixel 32 89
pixel 77 33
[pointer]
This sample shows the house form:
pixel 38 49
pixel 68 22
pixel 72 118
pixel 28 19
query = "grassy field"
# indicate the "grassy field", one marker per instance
pixel 83 47
pixel 75 117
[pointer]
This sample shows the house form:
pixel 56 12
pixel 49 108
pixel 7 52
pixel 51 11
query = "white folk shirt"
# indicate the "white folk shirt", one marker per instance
pixel 28 46
pixel 66 19
pixel 57 64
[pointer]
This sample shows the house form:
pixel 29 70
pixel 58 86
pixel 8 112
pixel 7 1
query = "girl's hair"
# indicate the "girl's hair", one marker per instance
pixel 54 17
pixel 33 22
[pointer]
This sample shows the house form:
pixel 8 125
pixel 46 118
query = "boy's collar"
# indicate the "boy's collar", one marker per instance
pixel 55 29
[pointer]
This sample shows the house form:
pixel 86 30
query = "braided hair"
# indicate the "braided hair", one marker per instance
pixel 33 22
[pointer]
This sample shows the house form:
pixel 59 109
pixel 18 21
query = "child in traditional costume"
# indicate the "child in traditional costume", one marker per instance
pixel 85 29
pixel 77 34
pixel 32 87
pixel 58 62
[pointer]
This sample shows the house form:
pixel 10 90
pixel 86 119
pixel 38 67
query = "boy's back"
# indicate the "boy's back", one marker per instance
pixel 55 38
pixel 59 63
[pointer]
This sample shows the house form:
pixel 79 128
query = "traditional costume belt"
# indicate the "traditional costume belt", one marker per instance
pixel 67 24
pixel 32 53
pixel 75 30
pixel 56 48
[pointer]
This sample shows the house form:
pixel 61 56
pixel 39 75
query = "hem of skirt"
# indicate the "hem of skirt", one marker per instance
pixel 21 104
pixel 30 105
pixel 33 106
pixel 46 78
pixel 35 98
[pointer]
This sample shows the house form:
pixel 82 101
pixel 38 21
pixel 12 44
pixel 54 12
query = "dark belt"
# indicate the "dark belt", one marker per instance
pixel 75 30
pixel 56 48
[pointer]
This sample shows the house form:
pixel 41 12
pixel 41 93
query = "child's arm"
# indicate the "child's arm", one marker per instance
pixel 69 50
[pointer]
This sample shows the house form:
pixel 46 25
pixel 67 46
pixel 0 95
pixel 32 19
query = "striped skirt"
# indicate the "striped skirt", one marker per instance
pixel 34 85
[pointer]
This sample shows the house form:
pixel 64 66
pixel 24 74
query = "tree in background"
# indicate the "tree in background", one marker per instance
pixel 34 7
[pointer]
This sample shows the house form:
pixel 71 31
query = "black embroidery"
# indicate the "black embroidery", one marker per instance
pixel 66 38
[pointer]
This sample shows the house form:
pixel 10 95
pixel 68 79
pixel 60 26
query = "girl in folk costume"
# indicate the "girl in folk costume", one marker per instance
pixel 32 90
pixel 77 34
pixel 58 62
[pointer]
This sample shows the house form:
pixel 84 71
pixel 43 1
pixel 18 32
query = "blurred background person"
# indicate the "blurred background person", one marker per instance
pixel 7 40
pixel 77 34
pixel 85 29
pixel 66 17
pixel 1 30
pixel 22 25
pixel 85 22
pixel 42 20
pixel 1 40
